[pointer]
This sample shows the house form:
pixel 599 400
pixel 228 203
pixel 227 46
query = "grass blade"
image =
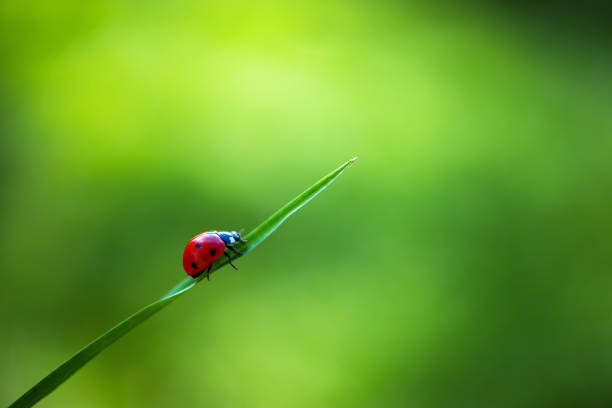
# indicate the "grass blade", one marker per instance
pixel 60 374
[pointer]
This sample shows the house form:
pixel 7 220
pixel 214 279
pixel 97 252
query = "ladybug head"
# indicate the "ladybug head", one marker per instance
pixel 230 237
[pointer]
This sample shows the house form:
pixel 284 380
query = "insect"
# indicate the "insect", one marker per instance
pixel 206 248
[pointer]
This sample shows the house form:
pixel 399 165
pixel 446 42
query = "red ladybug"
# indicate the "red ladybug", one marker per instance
pixel 206 248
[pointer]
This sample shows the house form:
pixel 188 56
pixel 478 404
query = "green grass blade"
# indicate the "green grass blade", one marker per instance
pixel 263 230
pixel 83 356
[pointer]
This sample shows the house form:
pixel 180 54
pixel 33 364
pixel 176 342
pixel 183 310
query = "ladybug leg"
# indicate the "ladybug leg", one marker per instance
pixel 229 260
pixel 234 250
pixel 208 271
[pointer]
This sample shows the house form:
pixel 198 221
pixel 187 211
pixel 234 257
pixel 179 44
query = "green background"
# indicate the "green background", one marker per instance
pixel 463 261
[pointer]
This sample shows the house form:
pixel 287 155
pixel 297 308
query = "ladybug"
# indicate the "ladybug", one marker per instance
pixel 206 248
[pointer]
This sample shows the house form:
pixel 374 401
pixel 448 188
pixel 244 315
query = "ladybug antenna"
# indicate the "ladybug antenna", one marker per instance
pixel 240 235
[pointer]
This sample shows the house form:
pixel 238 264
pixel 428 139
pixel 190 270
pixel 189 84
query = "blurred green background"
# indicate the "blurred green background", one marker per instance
pixel 464 261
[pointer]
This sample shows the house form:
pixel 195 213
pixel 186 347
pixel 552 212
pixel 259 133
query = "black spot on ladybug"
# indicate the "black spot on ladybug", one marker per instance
pixel 194 265
pixel 198 245
pixel 213 252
